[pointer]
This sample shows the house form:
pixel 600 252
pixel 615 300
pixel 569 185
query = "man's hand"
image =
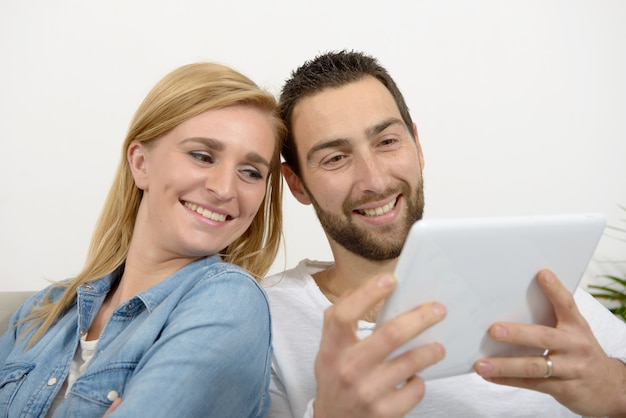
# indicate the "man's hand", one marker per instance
pixel 582 377
pixel 354 377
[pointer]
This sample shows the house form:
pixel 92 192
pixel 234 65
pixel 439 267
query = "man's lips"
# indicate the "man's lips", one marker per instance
pixel 379 210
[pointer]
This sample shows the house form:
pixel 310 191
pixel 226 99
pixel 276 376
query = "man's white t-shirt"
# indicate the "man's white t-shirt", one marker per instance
pixel 297 306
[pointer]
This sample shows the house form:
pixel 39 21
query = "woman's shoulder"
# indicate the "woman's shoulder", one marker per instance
pixel 21 306
pixel 53 292
pixel 225 293
pixel 214 269
pixel 217 277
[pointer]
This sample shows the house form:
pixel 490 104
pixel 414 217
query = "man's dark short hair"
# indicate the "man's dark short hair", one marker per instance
pixel 331 70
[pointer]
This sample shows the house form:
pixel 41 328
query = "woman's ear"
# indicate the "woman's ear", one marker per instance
pixel 136 156
pixel 295 185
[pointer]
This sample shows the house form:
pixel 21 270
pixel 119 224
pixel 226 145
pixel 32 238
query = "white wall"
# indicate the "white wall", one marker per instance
pixel 520 105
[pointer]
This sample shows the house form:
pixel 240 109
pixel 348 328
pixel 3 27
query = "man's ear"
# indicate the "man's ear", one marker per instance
pixel 295 185
pixel 419 146
pixel 136 156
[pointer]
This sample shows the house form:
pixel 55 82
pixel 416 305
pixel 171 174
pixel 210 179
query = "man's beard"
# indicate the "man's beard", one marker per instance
pixel 384 244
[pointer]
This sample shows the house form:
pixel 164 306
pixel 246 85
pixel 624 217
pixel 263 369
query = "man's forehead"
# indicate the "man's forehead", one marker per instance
pixel 342 112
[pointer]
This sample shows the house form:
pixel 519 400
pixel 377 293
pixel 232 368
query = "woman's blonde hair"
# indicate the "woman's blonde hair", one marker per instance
pixel 182 94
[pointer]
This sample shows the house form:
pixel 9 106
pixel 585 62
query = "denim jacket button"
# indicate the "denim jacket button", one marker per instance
pixel 52 381
pixel 113 395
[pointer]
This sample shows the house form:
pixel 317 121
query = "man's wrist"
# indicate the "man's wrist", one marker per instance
pixel 621 392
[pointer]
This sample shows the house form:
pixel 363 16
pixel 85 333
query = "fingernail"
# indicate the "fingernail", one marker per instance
pixel 439 309
pixel 484 368
pixel 499 331
pixel 385 281
pixel 548 277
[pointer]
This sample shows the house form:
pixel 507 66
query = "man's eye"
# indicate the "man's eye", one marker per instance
pixel 388 141
pixel 333 160
pixel 205 157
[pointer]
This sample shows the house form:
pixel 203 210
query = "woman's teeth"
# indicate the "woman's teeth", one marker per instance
pixel 206 213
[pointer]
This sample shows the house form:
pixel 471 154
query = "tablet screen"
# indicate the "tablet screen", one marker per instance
pixel 483 270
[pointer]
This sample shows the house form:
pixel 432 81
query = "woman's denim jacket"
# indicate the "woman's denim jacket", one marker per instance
pixel 196 344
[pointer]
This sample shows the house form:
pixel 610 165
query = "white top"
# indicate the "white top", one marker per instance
pixel 297 307
pixel 82 357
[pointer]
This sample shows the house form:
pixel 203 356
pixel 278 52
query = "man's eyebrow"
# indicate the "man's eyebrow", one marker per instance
pixel 335 143
pixel 343 142
pixel 379 127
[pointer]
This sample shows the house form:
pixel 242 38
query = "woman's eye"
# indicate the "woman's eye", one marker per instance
pixel 251 173
pixel 203 156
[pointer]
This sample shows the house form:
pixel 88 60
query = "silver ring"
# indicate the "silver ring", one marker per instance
pixel 549 366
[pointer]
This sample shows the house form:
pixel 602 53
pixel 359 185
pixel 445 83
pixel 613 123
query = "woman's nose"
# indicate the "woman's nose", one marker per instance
pixel 222 183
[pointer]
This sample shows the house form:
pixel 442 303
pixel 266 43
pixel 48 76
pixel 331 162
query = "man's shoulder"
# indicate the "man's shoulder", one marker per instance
pixel 609 330
pixel 280 279
pixel 590 306
pixel 296 277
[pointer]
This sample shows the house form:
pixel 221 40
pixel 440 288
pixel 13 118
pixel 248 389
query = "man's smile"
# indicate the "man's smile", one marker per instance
pixel 380 210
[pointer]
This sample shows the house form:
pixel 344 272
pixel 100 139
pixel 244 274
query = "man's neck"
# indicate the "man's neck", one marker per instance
pixel 348 272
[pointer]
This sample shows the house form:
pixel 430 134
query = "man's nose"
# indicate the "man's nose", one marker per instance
pixel 371 174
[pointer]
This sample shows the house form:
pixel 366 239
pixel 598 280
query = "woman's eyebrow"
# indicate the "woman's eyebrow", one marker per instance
pixel 209 142
pixel 218 145
pixel 257 158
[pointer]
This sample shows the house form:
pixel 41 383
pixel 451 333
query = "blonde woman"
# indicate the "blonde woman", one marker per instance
pixel 166 313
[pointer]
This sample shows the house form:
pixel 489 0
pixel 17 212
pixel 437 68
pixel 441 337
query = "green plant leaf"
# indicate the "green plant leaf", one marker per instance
pixel 616 279
pixel 615 291
pixel 619 311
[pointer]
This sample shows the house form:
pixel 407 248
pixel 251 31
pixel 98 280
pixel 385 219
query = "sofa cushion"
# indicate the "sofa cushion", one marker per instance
pixel 9 302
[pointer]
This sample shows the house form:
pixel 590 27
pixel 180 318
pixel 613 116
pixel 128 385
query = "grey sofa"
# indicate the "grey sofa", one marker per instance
pixel 9 302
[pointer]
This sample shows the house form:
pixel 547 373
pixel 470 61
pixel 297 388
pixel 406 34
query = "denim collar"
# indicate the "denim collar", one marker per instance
pixel 150 298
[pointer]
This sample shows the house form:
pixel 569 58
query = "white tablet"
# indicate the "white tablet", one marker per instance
pixel 483 270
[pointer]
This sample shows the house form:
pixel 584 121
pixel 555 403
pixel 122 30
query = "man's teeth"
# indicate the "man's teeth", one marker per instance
pixel 206 213
pixel 379 210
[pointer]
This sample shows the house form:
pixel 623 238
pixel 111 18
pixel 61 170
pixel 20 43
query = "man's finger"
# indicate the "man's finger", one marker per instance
pixel 398 331
pixel 340 319
pixel 562 300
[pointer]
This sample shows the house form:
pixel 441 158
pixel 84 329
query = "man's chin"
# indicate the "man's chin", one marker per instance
pixel 371 247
